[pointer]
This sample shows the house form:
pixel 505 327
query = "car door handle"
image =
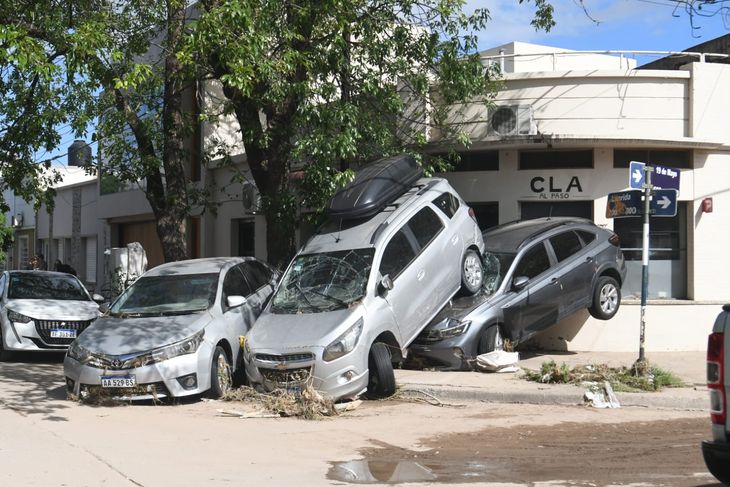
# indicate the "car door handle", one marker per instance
pixel 589 259
pixel 420 274
pixel 554 281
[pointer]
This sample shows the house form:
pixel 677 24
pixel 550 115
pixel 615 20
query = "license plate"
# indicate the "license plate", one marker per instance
pixel 118 381
pixel 63 333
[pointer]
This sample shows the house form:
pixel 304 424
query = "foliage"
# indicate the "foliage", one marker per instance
pixel 621 378
pixel 307 404
pixel 6 238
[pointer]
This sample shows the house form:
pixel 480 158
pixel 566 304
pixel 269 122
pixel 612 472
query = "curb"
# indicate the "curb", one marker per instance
pixel 683 398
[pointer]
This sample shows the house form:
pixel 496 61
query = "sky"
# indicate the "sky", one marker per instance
pixel 639 25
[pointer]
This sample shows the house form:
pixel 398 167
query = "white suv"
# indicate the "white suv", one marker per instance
pixel 363 288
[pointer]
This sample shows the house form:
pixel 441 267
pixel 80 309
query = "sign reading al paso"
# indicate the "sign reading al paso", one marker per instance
pixel 623 204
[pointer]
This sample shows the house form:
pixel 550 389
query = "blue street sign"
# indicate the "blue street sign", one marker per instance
pixel 636 175
pixel 663 202
pixel 624 203
pixel 665 177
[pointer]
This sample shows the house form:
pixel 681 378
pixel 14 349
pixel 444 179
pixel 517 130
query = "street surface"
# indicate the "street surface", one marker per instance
pixel 46 440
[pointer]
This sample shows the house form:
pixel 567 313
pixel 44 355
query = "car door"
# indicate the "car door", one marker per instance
pixel 458 223
pixel 237 319
pixel 574 269
pixel 259 278
pixel 405 299
pixel 536 305
pixel 437 259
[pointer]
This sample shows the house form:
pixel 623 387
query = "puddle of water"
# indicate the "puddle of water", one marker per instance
pixel 378 471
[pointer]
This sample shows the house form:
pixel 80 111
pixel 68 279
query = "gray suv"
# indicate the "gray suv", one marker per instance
pixel 537 272
pixel 363 288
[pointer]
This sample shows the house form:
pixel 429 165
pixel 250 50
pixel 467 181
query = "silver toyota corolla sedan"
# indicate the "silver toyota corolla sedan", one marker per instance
pixel 174 332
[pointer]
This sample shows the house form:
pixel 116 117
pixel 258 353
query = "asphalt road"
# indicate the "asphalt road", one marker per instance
pixel 46 440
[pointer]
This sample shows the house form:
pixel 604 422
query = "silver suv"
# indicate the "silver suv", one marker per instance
pixel 362 289
pixel 537 272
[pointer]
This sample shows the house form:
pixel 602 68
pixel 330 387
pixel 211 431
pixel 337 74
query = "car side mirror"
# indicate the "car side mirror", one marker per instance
pixel 385 285
pixel 235 301
pixel 103 308
pixel 518 283
pixel 98 298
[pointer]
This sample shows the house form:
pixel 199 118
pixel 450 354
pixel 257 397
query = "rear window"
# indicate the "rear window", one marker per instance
pixel 46 286
pixel 448 204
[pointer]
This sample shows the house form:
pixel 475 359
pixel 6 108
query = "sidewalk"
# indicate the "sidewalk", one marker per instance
pixel 511 388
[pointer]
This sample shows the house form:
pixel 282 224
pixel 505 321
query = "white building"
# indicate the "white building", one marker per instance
pixel 560 138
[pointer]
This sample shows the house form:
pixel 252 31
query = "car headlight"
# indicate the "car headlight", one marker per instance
pixel 344 344
pixel 453 328
pixel 183 347
pixel 77 352
pixel 17 317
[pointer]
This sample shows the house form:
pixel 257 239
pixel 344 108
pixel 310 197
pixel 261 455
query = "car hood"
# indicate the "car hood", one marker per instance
pixel 459 308
pixel 55 309
pixel 118 336
pixel 284 331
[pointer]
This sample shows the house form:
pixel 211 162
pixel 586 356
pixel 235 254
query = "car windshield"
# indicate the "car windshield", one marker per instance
pixel 46 286
pixel 496 265
pixel 324 282
pixel 167 295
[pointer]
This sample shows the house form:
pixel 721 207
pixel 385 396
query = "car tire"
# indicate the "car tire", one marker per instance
pixel 716 464
pixel 490 340
pixel 472 274
pixel 220 374
pixel 606 298
pixel 381 382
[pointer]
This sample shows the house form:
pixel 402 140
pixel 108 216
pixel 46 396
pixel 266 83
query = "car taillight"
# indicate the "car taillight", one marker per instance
pixel 716 377
pixel 614 239
pixel 472 214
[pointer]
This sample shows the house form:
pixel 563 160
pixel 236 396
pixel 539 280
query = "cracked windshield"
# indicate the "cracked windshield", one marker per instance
pixel 496 265
pixel 324 282
pixel 167 295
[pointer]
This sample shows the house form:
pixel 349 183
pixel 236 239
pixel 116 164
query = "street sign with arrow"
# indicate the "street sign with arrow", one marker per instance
pixel 636 175
pixel 663 202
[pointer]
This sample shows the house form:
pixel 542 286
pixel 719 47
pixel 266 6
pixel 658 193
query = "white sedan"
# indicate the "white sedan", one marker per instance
pixel 42 311
pixel 174 332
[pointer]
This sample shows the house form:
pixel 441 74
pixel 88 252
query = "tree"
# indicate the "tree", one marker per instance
pixel 330 83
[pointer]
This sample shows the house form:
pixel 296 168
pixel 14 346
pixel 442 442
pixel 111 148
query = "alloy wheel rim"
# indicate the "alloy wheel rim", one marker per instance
pixel 609 298
pixel 472 270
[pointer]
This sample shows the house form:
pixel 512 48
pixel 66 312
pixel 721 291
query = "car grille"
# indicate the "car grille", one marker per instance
pixel 292 357
pixel 288 377
pixel 44 327
pixel 154 389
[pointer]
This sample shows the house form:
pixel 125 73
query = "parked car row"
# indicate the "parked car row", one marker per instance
pixel 400 268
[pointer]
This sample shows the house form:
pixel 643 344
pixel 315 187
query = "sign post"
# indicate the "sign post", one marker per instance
pixel 659 186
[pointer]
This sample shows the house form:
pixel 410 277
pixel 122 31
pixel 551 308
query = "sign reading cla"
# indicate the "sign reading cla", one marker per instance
pixel 554 190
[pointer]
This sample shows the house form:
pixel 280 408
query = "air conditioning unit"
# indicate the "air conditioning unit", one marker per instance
pixel 511 120
pixel 250 198
pixel 18 220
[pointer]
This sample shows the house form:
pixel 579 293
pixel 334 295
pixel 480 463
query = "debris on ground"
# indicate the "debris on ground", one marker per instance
pixel 601 396
pixel 621 379
pixel 498 361
pixel 417 395
pixel 307 403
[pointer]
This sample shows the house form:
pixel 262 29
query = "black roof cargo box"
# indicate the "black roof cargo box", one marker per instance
pixel 373 188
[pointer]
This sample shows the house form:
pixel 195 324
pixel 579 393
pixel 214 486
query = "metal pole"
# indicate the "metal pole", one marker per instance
pixel 645 259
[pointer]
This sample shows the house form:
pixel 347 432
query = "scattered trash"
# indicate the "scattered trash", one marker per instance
pixel 308 403
pixel 498 361
pixel 408 395
pixel 601 396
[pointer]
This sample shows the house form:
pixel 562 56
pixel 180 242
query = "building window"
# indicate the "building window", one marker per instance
pixel 90 259
pixel 533 209
pixel 681 159
pixel 667 254
pixel 487 214
pixel 471 161
pixel 245 237
pixel 557 159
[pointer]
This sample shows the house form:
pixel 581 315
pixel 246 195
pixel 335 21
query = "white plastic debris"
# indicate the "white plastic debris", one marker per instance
pixel 498 361
pixel 602 397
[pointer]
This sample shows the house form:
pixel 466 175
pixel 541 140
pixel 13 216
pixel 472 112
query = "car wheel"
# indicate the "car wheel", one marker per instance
pixel 606 298
pixel 220 374
pixel 717 465
pixel 490 340
pixel 382 379
pixel 472 274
